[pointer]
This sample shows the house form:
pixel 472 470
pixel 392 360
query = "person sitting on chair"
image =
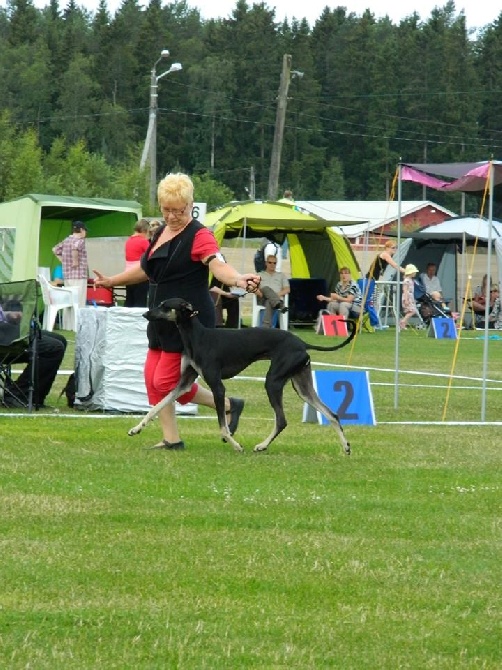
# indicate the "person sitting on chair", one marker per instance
pixel 273 287
pixel 346 299
pixel 50 347
pixel 432 283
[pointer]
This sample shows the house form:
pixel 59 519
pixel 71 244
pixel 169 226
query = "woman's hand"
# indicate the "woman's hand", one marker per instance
pixel 102 280
pixel 250 282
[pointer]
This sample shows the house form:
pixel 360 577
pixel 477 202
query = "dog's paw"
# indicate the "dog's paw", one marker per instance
pixel 347 450
pixel 133 431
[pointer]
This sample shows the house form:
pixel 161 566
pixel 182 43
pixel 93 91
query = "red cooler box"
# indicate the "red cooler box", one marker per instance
pixel 99 297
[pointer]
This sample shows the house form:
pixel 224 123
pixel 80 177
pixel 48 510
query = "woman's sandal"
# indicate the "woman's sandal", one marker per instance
pixel 165 444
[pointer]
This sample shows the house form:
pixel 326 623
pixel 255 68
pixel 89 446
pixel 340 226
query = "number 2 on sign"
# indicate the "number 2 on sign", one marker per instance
pixel 348 390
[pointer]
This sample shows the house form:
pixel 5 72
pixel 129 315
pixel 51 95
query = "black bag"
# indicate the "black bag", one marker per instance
pixel 259 261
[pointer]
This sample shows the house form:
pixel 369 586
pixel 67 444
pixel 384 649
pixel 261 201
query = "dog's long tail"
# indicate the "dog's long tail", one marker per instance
pixel 352 327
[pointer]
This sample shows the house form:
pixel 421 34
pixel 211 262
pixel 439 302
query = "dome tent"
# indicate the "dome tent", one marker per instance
pixel 317 251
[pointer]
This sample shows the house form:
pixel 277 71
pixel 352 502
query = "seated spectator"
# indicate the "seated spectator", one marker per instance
pixel 346 299
pixel 273 287
pixel 496 314
pixel 478 304
pixel 57 278
pixel 51 348
pixel 475 318
pixel 431 282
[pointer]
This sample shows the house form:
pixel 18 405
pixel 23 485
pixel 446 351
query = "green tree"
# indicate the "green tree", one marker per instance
pixel 331 186
pixel 25 171
pixel 77 101
pixel 209 190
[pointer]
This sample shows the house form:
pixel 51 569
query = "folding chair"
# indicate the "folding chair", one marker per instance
pixel 19 328
pixel 278 318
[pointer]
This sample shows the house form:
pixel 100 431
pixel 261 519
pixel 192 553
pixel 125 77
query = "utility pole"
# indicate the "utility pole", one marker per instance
pixel 252 184
pixel 282 101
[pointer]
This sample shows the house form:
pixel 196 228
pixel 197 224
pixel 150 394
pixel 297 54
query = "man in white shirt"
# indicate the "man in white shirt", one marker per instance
pixel 432 283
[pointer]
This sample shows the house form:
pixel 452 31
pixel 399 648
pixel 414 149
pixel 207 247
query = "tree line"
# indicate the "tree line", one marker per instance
pixel 75 95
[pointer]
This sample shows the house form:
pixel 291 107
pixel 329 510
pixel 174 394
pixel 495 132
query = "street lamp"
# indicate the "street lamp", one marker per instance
pixel 150 148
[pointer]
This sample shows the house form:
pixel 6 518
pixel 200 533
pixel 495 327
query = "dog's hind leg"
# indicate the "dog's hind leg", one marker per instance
pixel 275 390
pixel 218 391
pixel 303 385
pixel 188 376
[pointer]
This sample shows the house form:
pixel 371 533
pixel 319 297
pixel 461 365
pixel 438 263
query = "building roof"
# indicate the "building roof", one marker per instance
pixel 377 213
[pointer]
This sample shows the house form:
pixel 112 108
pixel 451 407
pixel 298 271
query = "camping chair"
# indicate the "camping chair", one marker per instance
pixel 19 328
pixel 369 319
pixel 278 318
pixel 57 298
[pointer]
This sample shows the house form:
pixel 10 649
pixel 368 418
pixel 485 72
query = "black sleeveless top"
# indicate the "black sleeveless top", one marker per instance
pixel 173 274
pixel 377 268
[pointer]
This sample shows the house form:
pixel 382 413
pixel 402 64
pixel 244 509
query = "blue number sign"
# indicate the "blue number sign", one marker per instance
pixel 346 393
pixel 443 328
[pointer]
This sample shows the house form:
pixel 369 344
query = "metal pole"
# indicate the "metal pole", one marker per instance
pixel 488 292
pixel 153 141
pixel 398 289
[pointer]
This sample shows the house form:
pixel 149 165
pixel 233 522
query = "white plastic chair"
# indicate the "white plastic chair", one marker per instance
pixel 259 312
pixel 56 299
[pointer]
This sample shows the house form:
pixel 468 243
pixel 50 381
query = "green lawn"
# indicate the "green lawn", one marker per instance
pixel 117 557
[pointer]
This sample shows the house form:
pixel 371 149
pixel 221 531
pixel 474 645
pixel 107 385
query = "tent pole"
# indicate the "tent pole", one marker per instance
pixel 398 290
pixel 488 291
pixel 243 262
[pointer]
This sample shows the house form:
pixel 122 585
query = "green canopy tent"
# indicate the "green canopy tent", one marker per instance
pixel 316 248
pixel 31 225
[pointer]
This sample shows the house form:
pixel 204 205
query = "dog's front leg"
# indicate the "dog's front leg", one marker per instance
pixel 188 376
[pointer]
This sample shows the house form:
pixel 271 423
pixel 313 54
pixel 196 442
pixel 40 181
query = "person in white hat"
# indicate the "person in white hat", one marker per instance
pixel 408 295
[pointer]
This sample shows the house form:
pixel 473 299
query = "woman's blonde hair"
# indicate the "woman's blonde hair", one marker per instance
pixel 175 187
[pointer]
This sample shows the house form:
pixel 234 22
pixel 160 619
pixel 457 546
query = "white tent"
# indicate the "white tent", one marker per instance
pixel 464 231
pixel 483 178
pixel 472 226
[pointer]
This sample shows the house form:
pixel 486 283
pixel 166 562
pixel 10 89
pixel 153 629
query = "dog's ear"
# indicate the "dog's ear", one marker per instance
pixel 187 306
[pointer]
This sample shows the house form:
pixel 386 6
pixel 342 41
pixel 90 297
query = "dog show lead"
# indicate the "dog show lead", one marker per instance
pixel 176 264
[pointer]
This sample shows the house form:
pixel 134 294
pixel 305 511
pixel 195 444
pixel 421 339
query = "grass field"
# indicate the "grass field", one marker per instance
pixel 117 557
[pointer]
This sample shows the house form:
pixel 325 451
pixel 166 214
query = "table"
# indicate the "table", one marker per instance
pixel 110 351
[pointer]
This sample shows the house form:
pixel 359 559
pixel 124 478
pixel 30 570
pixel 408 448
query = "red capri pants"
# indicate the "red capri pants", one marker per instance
pixel 162 373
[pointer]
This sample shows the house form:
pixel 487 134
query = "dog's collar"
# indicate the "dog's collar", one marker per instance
pixel 193 314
